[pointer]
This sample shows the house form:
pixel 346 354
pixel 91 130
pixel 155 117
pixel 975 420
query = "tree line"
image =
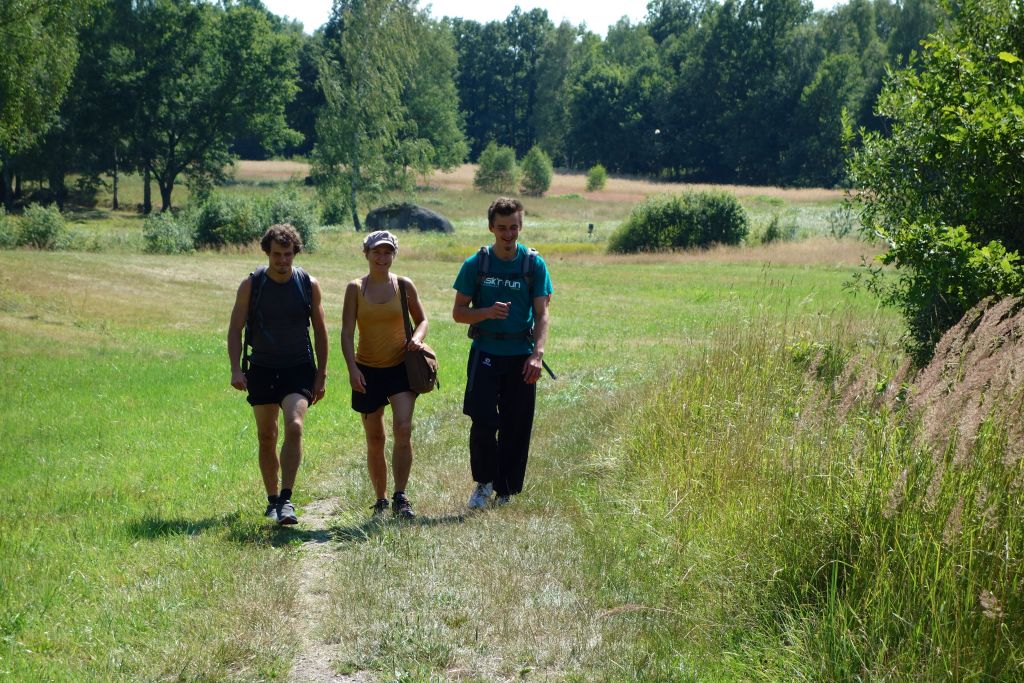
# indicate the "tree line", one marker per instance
pixel 731 91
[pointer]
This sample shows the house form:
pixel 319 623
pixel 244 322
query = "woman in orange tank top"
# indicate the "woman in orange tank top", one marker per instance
pixel 376 370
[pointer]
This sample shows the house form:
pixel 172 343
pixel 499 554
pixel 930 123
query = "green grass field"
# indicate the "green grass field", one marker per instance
pixel 701 504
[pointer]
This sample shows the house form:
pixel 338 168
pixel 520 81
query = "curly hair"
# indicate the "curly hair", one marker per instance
pixel 282 233
pixel 504 206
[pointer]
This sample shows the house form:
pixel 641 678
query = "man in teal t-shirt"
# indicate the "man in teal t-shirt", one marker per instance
pixel 503 295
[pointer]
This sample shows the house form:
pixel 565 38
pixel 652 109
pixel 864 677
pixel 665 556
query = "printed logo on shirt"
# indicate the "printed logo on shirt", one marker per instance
pixel 486 361
pixel 492 281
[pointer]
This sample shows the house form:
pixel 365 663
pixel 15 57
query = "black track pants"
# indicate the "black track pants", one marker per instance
pixel 501 405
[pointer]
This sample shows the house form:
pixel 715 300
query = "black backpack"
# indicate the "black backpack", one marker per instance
pixel 258 278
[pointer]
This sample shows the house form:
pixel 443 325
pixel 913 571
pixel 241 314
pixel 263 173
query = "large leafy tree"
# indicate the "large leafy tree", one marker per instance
pixel 37 58
pixel 388 112
pixel 944 188
pixel 202 77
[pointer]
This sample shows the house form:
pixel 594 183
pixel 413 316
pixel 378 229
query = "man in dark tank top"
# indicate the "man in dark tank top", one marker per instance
pixel 284 374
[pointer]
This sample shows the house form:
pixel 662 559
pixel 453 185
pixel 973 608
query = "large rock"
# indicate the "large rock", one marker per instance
pixel 406 217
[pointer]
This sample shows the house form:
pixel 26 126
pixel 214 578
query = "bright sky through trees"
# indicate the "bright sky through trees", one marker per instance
pixel 597 15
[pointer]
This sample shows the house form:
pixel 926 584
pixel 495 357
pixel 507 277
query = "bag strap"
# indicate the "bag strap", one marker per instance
pixel 405 311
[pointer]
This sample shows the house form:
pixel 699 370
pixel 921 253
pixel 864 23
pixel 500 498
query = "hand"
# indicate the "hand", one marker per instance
pixel 356 379
pixel 414 344
pixel 238 380
pixel 532 368
pixel 499 311
pixel 319 389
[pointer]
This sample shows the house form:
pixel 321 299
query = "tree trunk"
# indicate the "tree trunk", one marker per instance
pixel 17 185
pixel 6 192
pixel 355 212
pixel 147 195
pixel 58 187
pixel 165 193
pixel 115 204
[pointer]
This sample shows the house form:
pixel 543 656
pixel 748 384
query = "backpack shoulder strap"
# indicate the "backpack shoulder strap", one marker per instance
pixel 529 268
pixel 483 266
pixel 305 285
pixel 257 278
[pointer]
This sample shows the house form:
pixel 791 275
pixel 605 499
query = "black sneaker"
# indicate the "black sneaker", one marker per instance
pixel 402 507
pixel 380 507
pixel 286 513
pixel 271 512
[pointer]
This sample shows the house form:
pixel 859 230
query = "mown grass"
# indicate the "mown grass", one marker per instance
pixel 702 503
pixel 134 549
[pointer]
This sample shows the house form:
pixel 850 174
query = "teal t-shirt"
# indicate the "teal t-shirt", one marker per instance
pixel 505 283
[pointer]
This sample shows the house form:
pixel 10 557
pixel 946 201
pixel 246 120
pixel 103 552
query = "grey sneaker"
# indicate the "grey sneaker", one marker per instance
pixel 380 507
pixel 481 494
pixel 499 501
pixel 271 512
pixel 402 507
pixel 286 513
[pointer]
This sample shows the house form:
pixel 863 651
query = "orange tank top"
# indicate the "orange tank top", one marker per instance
pixel 381 330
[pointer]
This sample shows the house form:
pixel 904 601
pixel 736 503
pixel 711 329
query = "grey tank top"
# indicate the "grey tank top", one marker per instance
pixel 280 330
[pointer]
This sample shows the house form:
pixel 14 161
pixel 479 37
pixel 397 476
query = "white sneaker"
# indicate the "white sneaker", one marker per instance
pixel 481 494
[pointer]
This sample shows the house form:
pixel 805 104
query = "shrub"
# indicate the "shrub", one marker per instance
pixel 537 172
pixel 681 222
pixel 497 170
pixel 597 176
pixel 229 220
pixel 8 230
pixel 41 227
pixel 288 206
pixel 775 231
pixel 942 180
pixel 165 233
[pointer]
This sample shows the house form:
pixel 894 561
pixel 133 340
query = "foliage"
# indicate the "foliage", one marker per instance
pixel 390 108
pixel 167 233
pixel 199 76
pixel 537 172
pixel 8 230
pixel 686 221
pixel 597 176
pixel 239 220
pixel 943 188
pixel 775 231
pixel 41 227
pixel 497 170
pixel 40 53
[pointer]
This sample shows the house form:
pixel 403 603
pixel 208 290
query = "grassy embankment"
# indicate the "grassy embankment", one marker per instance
pixel 696 509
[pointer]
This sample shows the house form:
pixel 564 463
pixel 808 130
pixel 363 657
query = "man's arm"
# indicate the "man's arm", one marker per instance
pixel 533 365
pixel 320 341
pixel 462 313
pixel 239 314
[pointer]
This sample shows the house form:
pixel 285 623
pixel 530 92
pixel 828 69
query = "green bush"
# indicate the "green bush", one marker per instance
pixel 165 233
pixel 497 170
pixel 775 231
pixel 42 227
pixel 288 206
pixel 8 230
pixel 227 220
pixel 597 176
pixel 942 182
pixel 537 172
pixel 686 221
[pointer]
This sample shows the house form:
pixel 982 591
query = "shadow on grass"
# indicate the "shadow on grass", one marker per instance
pixel 371 528
pixel 151 526
pixel 257 531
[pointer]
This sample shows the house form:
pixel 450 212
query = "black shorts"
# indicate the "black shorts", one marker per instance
pixel 271 385
pixel 380 384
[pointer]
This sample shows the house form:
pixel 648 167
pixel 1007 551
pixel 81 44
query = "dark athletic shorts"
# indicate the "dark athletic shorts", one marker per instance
pixel 271 385
pixel 380 384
